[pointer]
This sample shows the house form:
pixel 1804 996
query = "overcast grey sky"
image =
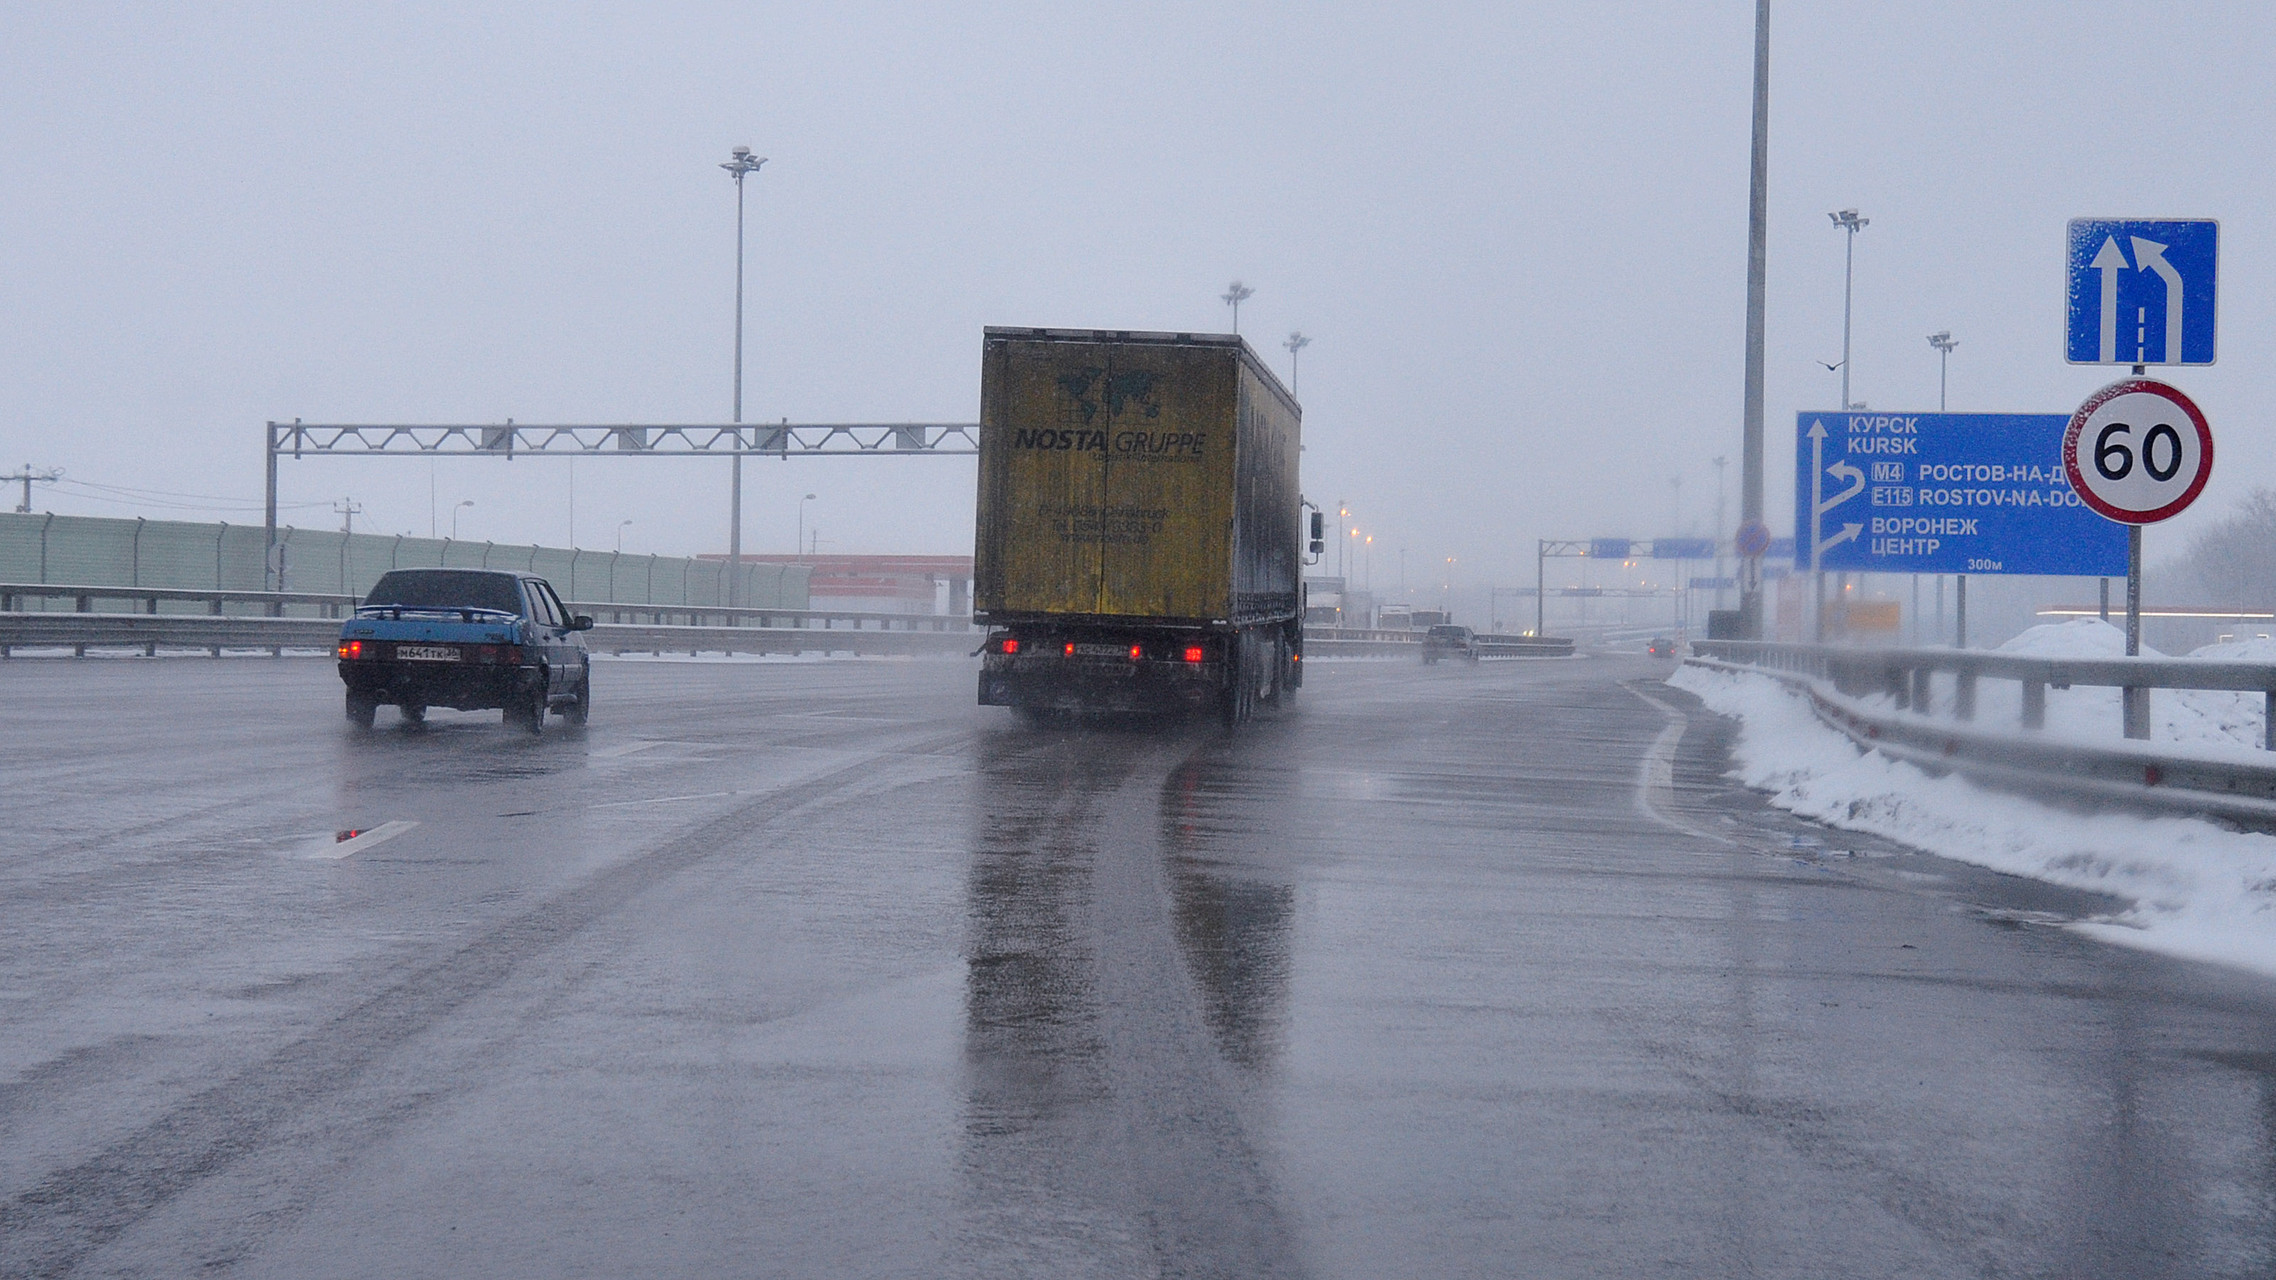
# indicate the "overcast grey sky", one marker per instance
pixel 1516 232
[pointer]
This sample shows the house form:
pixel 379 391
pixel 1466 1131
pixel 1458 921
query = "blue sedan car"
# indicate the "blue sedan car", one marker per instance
pixel 471 639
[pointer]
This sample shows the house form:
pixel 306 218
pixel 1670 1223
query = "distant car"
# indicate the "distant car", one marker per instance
pixel 471 639
pixel 1661 647
pixel 1449 641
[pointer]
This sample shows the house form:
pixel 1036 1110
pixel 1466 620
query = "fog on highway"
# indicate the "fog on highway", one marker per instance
pixel 818 969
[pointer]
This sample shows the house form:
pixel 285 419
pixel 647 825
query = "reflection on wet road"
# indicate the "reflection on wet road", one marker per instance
pixel 818 969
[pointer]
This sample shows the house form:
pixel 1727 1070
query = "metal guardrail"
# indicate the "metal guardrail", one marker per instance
pixel 1908 675
pixel 80 632
pixel 2137 776
pixel 85 597
pixel 1381 641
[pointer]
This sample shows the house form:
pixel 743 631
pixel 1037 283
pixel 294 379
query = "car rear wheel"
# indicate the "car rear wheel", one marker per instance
pixel 577 712
pixel 361 708
pixel 414 713
pixel 528 710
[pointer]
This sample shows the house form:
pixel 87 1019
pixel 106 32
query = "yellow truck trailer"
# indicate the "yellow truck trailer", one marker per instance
pixel 1140 542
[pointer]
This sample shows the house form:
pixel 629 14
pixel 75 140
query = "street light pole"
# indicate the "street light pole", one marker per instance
pixel 1848 221
pixel 1235 294
pixel 454 517
pixel 741 164
pixel 1943 341
pixel 622 525
pixel 1758 225
pixel 1295 344
pixel 799 547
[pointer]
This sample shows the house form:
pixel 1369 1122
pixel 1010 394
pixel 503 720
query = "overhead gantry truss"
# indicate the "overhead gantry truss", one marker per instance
pixel 510 439
pixel 662 440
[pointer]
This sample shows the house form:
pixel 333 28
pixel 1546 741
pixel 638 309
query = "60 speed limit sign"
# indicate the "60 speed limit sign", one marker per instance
pixel 2138 451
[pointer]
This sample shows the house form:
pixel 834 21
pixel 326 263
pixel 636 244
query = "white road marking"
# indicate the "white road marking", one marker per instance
pixel 700 795
pixel 334 848
pixel 1655 774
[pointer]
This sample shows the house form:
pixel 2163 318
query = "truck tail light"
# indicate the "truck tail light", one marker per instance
pixel 1195 653
pixel 1137 652
pixel 1009 644
pixel 351 649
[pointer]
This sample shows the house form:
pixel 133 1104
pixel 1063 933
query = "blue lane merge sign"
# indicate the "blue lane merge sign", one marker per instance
pixel 2142 291
pixel 1945 493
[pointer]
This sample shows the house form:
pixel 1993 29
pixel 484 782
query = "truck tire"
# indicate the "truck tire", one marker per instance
pixel 1233 702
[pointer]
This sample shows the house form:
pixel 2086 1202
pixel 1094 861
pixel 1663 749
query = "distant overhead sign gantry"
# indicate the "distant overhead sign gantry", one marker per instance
pixel 511 439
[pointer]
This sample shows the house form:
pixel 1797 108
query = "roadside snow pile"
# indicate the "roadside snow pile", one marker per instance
pixel 2196 890
pixel 2206 723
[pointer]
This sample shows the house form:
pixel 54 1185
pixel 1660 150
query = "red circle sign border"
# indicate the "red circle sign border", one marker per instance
pixel 2127 386
pixel 1753 532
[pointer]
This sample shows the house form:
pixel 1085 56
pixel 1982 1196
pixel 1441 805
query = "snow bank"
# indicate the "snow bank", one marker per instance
pixel 2205 723
pixel 2195 889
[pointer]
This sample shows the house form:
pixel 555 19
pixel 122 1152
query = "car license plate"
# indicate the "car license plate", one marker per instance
pixel 427 652
pixel 1102 651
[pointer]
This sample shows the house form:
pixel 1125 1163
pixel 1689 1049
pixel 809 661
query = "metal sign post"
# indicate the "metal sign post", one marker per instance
pixel 2137 452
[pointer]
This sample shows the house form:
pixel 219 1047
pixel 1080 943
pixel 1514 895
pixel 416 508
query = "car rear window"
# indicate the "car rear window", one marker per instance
pixel 446 589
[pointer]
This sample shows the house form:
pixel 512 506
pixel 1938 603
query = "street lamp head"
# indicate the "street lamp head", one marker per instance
pixel 744 162
pixel 1296 342
pixel 809 497
pixel 1237 293
pixel 1848 221
pixel 741 152
pixel 1943 341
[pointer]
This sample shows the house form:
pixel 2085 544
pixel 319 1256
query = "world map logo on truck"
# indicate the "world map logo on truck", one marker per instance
pixel 1091 389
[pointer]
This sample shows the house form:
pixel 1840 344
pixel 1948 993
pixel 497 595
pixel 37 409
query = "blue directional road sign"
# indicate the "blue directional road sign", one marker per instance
pixel 2142 291
pixel 1945 493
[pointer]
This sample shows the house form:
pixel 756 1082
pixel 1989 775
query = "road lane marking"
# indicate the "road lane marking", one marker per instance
pixel 619 752
pixel 360 841
pixel 1655 774
pixel 700 795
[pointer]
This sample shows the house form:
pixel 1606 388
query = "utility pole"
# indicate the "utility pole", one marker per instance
pixel 741 164
pixel 1235 294
pixel 1758 221
pixel 348 509
pixel 26 477
pixel 1295 344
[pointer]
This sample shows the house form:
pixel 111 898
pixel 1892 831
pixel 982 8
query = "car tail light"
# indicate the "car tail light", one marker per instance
pixel 509 654
pixel 1009 644
pixel 1137 652
pixel 351 649
pixel 1296 657
pixel 1070 652
pixel 1195 653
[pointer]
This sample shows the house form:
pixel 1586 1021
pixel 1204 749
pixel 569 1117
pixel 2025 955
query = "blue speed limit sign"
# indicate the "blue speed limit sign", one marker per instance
pixel 2138 451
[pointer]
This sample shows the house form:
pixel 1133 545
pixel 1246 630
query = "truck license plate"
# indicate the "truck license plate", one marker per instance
pixel 1102 651
pixel 426 652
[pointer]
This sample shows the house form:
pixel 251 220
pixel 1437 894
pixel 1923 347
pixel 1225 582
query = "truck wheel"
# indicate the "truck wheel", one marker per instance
pixel 361 708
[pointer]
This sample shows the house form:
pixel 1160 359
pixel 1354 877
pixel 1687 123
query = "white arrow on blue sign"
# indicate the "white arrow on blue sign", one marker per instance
pixel 2142 291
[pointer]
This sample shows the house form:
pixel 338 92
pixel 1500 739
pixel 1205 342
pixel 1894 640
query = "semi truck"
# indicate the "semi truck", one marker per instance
pixel 1140 535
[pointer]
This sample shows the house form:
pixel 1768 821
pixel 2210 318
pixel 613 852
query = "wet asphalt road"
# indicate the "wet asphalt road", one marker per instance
pixel 806 970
